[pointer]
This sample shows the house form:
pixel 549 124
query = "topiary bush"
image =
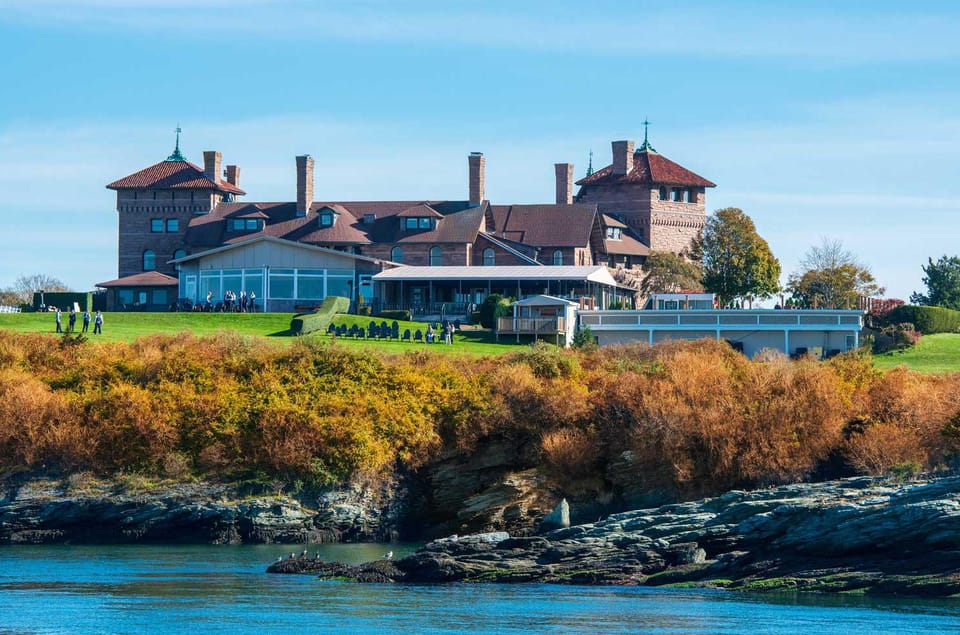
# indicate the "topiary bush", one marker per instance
pixel 493 307
pixel 926 319
pixel 320 319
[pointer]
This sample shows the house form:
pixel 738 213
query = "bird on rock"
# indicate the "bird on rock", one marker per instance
pixel 388 555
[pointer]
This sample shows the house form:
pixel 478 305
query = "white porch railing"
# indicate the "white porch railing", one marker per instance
pixel 534 326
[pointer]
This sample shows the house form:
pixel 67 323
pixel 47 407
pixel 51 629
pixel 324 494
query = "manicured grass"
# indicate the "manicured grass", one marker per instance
pixel 938 353
pixel 125 327
pixel 129 326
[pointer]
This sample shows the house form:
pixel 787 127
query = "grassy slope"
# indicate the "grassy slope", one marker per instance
pixel 129 326
pixel 938 353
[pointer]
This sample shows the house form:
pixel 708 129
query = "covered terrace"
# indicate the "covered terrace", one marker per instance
pixel 452 291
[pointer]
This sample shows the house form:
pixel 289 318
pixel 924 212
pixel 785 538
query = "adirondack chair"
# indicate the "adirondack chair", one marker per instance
pixel 373 332
pixel 418 336
pixel 395 330
pixel 332 329
pixel 384 330
pixel 406 335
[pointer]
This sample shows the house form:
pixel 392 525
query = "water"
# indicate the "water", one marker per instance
pixel 211 590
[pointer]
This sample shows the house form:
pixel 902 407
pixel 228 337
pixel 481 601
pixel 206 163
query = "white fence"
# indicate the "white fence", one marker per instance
pixel 9 309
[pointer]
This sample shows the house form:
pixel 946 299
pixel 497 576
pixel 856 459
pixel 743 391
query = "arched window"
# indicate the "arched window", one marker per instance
pixel 396 254
pixel 663 192
pixel 180 253
pixel 149 260
pixel 558 257
pixel 488 257
pixel 436 257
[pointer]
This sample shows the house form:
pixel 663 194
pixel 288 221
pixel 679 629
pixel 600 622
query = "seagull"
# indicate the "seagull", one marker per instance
pixel 388 555
pixel 304 554
pixel 279 558
pixel 317 557
pixel 292 555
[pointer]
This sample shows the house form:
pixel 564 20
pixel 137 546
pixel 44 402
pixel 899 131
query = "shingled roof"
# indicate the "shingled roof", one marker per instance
pixel 544 225
pixel 457 222
pixel 649 167
pixel 168 175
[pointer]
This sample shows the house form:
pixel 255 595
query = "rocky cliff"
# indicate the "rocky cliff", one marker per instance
pixel 855 535
pixel 92 511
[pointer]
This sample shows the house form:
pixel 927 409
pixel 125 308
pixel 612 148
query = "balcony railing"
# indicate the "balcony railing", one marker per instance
pixel 528 326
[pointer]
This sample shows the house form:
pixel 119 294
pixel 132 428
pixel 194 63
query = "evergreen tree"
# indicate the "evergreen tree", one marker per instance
pixel 943 283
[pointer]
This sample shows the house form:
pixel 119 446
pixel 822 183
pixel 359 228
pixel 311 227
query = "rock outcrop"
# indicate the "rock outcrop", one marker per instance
pixel 856 535
pixel 57 511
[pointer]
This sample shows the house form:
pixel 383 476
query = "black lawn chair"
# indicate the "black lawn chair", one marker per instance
pixel 373 332
pixel 384 330
pixel 353 330
pixel 332 329
pixel 406 335
pixel 395 330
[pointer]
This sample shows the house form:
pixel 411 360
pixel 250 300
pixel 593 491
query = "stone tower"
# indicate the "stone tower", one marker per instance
pixel 156 204
pixel 662 201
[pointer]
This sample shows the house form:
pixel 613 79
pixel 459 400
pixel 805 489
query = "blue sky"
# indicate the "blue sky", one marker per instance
pixel 819 119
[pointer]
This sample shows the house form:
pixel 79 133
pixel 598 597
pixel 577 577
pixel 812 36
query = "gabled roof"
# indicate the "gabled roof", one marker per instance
pixel 145 279
pixel 544 225
pixel 257 238
pixel 420 211
pixel 168 175
pixel 610 221
pixel 649 167
pixel 544 300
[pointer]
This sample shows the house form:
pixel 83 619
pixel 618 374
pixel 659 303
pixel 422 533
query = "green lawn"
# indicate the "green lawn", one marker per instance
pixel 126 327
pixel 938 353
pixel 129 326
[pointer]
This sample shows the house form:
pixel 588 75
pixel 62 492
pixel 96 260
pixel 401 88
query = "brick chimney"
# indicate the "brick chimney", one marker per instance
pixel 622 157
pixel 304 184
pixel 564 183
pixel 211 164
pixel 477 164
pixel 233 175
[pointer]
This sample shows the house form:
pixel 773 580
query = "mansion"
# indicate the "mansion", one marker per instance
pixel 185 232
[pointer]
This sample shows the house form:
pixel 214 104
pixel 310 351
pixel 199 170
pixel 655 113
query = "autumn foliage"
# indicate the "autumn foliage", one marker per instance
pixel 694 418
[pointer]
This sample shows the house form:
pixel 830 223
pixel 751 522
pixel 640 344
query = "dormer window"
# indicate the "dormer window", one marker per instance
pixel 327 217
pixel 245 224
pixel 613 233
pixel 369 218
pixel 417 222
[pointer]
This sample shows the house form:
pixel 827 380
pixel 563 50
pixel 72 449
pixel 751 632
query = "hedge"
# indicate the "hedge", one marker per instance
pixel 926 319
pixel 401 316
pixel 320 319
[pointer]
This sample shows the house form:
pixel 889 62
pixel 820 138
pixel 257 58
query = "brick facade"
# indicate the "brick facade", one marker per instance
pixel 138 208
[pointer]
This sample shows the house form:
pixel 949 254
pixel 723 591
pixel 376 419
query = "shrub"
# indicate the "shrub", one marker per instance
pixel 494 306
pixel 400 315
pixel 321 318
pixel 926 319
pixel 583 338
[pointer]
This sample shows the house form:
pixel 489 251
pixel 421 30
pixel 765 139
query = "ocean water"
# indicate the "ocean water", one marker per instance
pixel 224 589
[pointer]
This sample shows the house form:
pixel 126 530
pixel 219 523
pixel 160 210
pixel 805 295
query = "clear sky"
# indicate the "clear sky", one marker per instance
pixel 819 119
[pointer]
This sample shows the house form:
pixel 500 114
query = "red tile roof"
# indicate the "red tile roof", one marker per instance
pixel 649 167
pixel 172 175
pixel 544 225
pixel 145 279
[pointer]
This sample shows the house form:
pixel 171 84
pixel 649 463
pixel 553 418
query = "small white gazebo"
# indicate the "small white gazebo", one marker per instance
pixel 541 315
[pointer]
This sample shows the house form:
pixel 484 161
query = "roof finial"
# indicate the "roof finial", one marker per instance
pixel 177 156
pixel 590 165
pixel 646 147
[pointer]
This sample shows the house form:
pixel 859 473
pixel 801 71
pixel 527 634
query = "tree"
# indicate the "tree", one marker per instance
pixel 831 277
pixel 26 286
pixel 737 262
pixel 666 272
pixel 943 283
